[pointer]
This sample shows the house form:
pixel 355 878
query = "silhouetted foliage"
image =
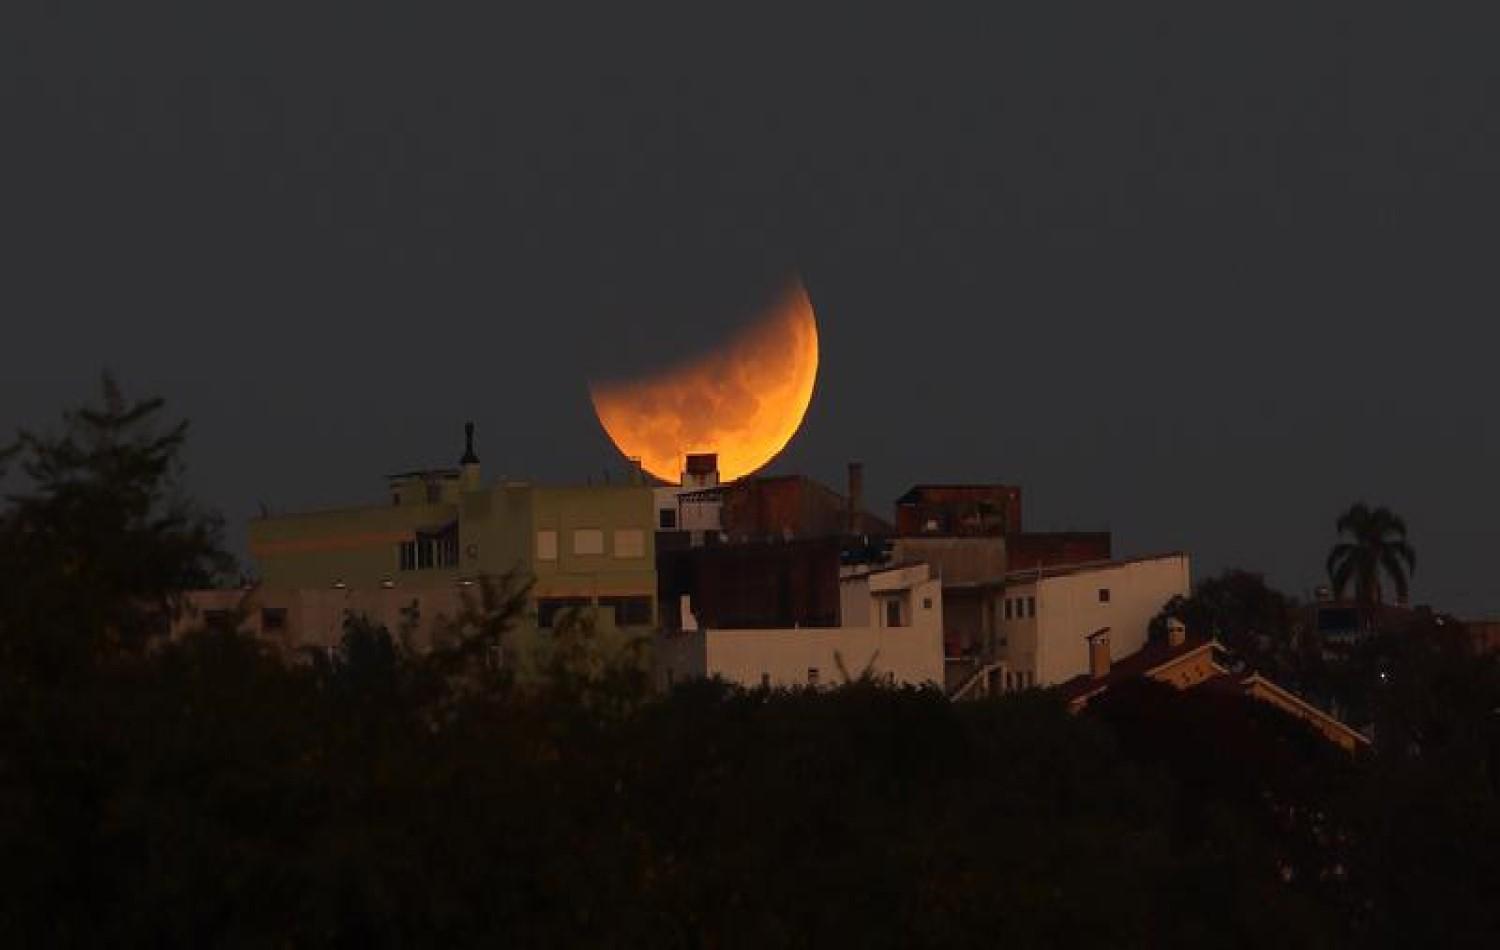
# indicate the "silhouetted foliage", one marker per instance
pixel 1256 622
pixel 97 546
pixel 1377 551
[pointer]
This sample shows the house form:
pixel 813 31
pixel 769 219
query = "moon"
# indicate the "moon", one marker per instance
pixel 743 401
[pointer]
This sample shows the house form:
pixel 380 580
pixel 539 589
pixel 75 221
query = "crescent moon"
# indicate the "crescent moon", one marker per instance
pixel 744 401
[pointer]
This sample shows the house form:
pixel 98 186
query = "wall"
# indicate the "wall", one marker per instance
pixel 910 654
pixel 608 509
pixel 956 560
pixel 315 616
pixel 1053 548
pixel 764 584
pixel 1068 610
pixel 913 655
pixel 355 545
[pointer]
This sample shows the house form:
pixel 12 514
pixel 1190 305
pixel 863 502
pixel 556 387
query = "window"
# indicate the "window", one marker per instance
pixel 765 681
pixel 629 611
pixel 396 498
pixel 630 542
pixel 546 545
pixel 926 603
pixel 1007 608
pixel 668 519
pixel 429 549
pixel 434 492
pixel 550 609
pixel 893 613
pixel 812 676
pixel 1104 595
pixel 1031 606
pixel 588 541
pixel 272 619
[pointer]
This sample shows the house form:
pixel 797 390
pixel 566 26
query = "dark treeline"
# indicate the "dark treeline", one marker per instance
pixel 213 791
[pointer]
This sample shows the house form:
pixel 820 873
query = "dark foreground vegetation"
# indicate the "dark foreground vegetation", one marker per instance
pixel 212 792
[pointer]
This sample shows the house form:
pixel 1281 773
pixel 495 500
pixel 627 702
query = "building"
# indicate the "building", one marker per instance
pixel 959 511
pixel 972 536
pixel 693 506
pixel 891 629
pixel 582 546
pixel 755 584
pixel 1186 663
pixel 761 552
pixel 1041 619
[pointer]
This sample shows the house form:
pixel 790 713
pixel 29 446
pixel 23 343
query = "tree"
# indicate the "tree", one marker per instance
pixel 1239 609
pixel 100 544
pixel 1377 548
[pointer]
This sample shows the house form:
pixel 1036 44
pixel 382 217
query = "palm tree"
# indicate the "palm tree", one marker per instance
pixel 1377 547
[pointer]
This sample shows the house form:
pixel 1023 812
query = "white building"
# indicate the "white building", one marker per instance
pixel 891 628
pixel 1043 618
pixel 696 504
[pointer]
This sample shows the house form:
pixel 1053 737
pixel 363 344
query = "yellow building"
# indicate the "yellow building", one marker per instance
pixel 584 546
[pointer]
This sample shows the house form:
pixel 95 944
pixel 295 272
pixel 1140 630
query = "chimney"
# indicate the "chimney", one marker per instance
pixel 469 464
pixel 856 495
pixel 1176 632
pixel 1099 653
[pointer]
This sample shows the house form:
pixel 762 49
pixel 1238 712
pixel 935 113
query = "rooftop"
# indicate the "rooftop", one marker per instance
pixel 1084 567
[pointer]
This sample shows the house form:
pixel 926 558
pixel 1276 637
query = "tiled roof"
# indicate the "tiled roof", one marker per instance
pixel 1140 663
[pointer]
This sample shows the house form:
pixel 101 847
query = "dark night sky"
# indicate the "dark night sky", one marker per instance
pixel 1201 277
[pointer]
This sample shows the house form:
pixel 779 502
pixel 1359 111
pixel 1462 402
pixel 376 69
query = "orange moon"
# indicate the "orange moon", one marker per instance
pixel 743 401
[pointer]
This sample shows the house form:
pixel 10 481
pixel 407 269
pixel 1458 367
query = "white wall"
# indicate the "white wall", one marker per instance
pixel 911 653
pixel 1053 645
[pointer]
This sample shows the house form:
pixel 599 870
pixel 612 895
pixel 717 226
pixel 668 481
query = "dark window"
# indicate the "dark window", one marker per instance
pixel 434 493
pixel 1104 595
pixel 765 681
pixel 396 498
pixel 812 676
pixel 629 611
pixel 430 549
pixel 550 609
pixel 668 519
pixel 1007 608
pixel 893 613
pixel 1031 606
pixel 926 603
pixel 272 619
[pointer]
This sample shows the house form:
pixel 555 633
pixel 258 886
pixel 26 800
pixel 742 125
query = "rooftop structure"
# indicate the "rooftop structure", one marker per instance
pixel 891 631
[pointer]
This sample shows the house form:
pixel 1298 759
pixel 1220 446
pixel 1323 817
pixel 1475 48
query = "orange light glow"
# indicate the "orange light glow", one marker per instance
pixel 744 401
